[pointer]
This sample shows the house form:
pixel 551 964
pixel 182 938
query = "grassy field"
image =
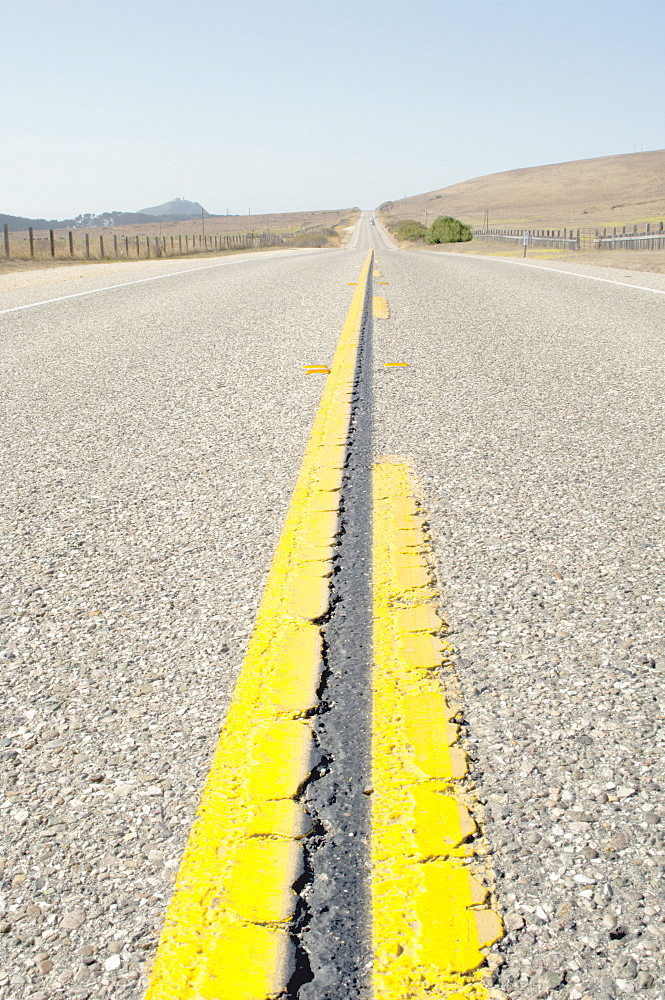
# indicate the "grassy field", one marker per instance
pixel 189 233
pixel 603 192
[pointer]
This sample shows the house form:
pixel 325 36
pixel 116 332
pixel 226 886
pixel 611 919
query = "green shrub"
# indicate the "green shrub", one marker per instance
pixel 409 229
pixel 445 229
pixel 385 206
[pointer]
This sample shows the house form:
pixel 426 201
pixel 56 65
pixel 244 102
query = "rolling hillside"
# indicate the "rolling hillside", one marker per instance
pixel 605 191
pixel 179 207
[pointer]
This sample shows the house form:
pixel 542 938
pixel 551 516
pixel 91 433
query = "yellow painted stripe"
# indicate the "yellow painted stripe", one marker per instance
pixel 226 929
pixel 381 308
pixel 429 912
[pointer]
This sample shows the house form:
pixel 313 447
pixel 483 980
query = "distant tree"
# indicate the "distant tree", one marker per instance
pixel 386 206
pixel 84 221
pixel 445 229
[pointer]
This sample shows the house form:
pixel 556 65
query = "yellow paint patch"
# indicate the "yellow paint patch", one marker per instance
pixel 235 965
pixel 381 308
pixel 310 592
pixel 226 929
pixel 279 818
pixel 430 921
pixel 262 872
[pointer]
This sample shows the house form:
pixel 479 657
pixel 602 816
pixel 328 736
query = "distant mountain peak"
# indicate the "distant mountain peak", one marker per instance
pixel 178 206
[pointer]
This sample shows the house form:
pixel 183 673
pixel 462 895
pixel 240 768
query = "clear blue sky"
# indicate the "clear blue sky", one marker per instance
pixel 299 104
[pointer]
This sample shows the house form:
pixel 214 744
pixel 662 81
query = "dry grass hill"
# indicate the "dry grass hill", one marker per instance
pixel 605 191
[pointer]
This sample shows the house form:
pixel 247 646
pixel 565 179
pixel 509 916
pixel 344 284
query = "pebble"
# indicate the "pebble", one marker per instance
pixel 73 920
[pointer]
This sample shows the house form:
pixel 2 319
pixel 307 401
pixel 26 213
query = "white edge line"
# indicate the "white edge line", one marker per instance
pixel 539 267
pixel 157 277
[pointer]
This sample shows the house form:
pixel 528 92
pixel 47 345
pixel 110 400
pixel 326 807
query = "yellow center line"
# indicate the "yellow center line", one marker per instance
pixel 430 920
pixel 226 932
pixel 381 308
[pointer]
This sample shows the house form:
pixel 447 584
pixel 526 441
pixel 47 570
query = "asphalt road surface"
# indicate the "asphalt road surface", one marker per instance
pixel 151 437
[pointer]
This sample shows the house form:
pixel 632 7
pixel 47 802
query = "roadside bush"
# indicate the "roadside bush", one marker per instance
pixel 409 230
pixel 310 238
pixel 445 229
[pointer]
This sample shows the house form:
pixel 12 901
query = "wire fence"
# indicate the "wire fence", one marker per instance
pixel 62 244
pixel 563 239
pixel 651 237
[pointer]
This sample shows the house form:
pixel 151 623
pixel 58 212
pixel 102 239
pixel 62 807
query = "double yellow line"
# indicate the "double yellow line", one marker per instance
pixel 226 934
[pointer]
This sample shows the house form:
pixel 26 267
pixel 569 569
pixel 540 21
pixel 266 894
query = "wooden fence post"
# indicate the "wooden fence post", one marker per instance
pixel 87 246
pixel 147 246
pixel 127 246
pixel 6 233
pixel 180 242
pixel 71 243
pixel 32 241
pixel 115 245
pixel 138 249
pixel 101 248
pixel 52 242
